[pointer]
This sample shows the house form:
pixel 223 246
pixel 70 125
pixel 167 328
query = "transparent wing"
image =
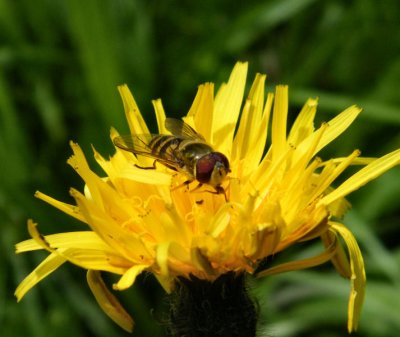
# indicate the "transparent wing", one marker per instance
pixel 180 129
pixel 139 145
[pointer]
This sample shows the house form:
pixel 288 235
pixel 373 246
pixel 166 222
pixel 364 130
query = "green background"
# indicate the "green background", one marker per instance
pixel 60 63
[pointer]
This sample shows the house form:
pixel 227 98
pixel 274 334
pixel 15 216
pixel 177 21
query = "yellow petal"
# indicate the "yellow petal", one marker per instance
pixel 303 126
pixel 129 277
pixel 339 207
pixel 124 242
pixel 260 133
pixel 87 239
pixel 80 165
pixel 162 257
pixel 136 123
pixel 250 120
pixel 151 177
pixel 160 116
pixel 200 115
pixel 264 241
pixel 251 137
pixel 325 181
pixel 279 122
pixel 357 278
pixel 166 282
pixel 84 249
pixel 46 267
pixel 301 264
pixel 37 237
pixel 366 174
pixel 219 222
pixel 340 259
pixel 66 208
pixel 227 107
pixel 96 260
pixel 108 302
pixel 268 173
pixel 358 161
pixel 336 126
pixel 201 262
pixel 118 169
pixel 302 155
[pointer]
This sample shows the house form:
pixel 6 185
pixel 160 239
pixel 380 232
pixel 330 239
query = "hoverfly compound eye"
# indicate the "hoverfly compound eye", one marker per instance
pixel 224 161
pixel 212 168
pixel 204 168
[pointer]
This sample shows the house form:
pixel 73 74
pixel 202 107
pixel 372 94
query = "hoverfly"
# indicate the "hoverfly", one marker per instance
pixel 184 151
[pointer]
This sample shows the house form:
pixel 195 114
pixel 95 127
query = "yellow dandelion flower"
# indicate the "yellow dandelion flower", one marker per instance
pixel 147 220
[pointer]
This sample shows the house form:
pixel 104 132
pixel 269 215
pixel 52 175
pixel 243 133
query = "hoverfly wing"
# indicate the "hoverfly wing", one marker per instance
pixel 139 144
pixel 180 129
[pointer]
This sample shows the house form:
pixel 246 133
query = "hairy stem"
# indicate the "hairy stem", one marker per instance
pixel 222 308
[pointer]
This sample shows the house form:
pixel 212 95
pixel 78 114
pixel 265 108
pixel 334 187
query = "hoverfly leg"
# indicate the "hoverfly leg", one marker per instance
pixel 197 187
pixel 185 183
pixel 220 190
pixel 147 167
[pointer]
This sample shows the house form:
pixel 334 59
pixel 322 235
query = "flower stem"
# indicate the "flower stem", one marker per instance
pixel 222 308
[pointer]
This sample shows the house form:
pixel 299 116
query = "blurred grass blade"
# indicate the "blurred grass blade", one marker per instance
pixel 261 18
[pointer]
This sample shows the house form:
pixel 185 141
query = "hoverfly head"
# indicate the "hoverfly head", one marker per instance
pixel 212 168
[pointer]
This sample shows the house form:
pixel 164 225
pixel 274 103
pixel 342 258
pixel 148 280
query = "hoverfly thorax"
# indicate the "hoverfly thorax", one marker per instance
pixel 212 169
